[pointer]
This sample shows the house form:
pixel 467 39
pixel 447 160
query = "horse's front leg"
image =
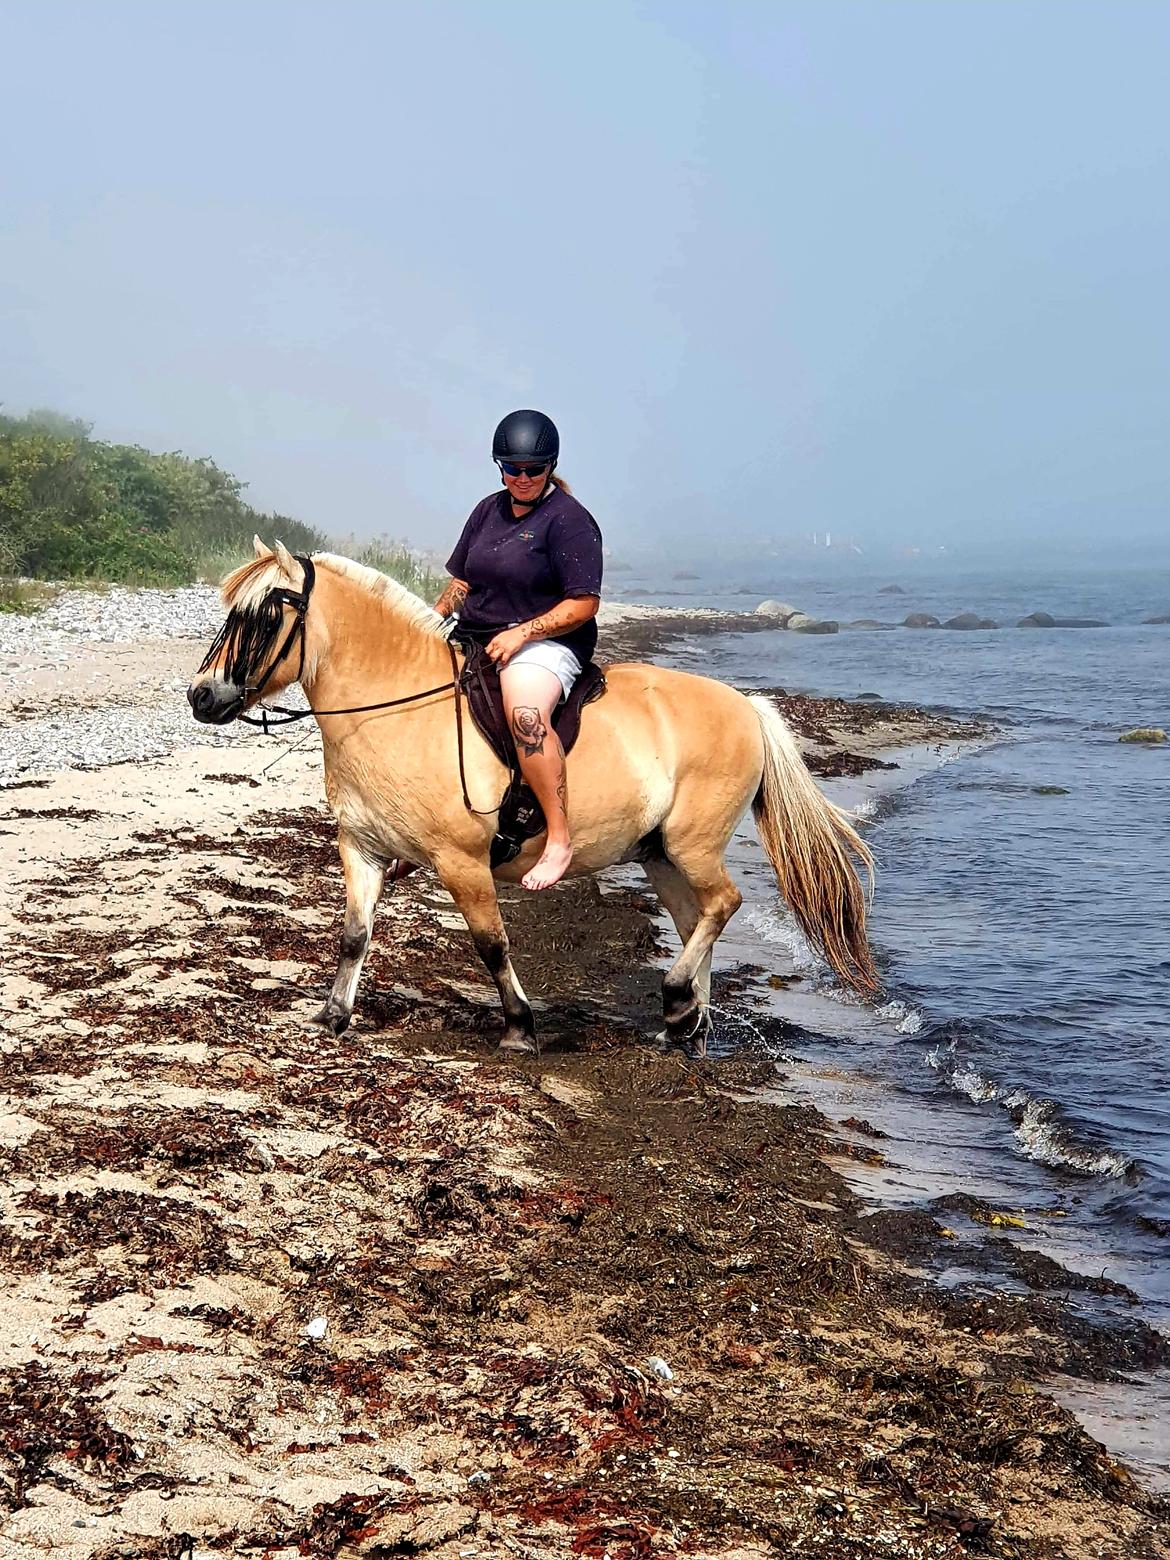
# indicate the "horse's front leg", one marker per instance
pixel 470 883
pixel 363 884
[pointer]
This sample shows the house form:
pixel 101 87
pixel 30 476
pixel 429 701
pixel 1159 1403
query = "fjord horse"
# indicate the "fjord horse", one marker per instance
pixel 663 770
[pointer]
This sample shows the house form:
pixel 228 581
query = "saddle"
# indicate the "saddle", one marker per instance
pixel 521 815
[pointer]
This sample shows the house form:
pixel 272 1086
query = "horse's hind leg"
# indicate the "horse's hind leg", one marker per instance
pixel 363 884
pixel 470 883
pixel 702 878
pixel 675 895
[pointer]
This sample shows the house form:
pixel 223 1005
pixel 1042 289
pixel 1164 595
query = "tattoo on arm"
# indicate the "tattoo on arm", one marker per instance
pixel 529 729
pixel 566 615
pixel 452 598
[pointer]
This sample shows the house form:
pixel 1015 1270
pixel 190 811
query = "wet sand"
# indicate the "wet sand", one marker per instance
pixel 268 1292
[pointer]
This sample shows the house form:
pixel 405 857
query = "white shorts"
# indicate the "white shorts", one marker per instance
pixel 554 657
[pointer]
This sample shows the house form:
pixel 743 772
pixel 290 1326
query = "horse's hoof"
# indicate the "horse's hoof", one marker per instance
pixel 517 1042
pixel 332 1018
pixel 688 1033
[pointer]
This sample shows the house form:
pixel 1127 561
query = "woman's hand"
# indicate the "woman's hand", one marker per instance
pixel 504 646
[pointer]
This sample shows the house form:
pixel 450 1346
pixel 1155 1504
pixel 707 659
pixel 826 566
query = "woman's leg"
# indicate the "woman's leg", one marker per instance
pixel 531 693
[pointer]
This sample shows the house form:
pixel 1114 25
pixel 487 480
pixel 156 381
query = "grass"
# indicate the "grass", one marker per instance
pixel 24 597
pixel 391 557
pixel 401 564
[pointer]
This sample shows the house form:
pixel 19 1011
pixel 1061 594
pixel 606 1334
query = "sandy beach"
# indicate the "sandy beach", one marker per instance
pixel 270 1292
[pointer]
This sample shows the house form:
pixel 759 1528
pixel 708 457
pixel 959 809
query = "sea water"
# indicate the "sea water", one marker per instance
pixel 1022 914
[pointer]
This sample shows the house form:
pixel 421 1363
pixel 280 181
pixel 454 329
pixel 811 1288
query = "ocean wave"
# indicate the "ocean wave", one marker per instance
pixel 1039 1132
pixel 1040 1135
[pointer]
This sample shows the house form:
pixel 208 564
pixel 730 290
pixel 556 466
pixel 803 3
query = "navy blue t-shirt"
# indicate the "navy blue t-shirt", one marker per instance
pixel 518 569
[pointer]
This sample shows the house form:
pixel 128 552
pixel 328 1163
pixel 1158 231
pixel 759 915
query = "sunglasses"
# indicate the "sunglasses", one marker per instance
pixel 511 469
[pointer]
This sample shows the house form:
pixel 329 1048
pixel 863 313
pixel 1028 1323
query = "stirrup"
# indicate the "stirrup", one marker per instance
pixel 505 848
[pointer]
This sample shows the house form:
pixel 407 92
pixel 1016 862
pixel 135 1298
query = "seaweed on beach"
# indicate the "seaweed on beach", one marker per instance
pixel 176 1237
pixel 45 1416
pixel 73 814
pixel 603 1302
pixel 130 1140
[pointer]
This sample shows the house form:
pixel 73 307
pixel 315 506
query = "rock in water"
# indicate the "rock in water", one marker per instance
pixel 920 620
pixel 776 609
pixel 892 590
pixel 1150 734
pixel 969 620
pixel 803 623
pixel 868 625
pixel 1156 620
pixel 1046 620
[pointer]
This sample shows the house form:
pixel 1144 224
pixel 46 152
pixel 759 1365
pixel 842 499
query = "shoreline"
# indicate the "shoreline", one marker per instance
pixel 500 1249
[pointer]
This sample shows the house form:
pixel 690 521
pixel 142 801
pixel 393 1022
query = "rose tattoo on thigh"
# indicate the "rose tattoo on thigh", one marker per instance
pixel 529 729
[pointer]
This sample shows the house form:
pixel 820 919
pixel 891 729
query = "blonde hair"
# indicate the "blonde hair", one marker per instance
pixel 562 484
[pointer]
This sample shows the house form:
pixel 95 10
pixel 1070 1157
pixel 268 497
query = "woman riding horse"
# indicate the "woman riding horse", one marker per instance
pixel 526 582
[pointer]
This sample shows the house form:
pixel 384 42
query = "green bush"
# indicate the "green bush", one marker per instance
pixel 73 507
pixel 76 508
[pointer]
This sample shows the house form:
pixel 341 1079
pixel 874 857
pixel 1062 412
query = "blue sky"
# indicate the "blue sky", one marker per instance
pixel 895 267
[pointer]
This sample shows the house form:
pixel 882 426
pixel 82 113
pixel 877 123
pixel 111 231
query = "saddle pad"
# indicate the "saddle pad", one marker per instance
pixel 521 815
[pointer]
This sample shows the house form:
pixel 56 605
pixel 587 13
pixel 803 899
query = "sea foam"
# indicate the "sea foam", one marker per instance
pixel 905 1019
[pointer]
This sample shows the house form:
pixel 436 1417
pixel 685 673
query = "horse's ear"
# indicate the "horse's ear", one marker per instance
pixel 259 548
pixel 288 563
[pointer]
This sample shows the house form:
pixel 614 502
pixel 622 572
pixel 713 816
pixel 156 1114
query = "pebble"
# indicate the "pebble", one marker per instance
pixel 90 739
pixel 81 738
pixel 115 615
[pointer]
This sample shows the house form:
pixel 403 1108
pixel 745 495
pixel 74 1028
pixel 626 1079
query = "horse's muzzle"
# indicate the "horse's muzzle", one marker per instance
pixel 212 705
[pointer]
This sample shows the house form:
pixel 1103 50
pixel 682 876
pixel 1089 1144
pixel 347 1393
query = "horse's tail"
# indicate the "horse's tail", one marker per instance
pixel 809 842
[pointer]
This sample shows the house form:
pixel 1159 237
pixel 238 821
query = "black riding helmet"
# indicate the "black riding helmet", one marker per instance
pixel 528 436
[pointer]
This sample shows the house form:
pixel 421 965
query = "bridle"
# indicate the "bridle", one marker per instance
pixel 246 636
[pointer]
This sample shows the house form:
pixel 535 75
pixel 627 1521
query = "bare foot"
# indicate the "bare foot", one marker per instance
pixel 551 867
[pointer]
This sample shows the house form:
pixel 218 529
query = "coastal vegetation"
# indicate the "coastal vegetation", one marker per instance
pixel 77 508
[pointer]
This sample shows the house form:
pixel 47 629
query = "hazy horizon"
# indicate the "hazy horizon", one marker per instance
pixel 894 271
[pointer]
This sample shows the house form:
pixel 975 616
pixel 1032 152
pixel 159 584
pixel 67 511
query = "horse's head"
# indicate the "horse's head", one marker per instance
pixel 261 646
